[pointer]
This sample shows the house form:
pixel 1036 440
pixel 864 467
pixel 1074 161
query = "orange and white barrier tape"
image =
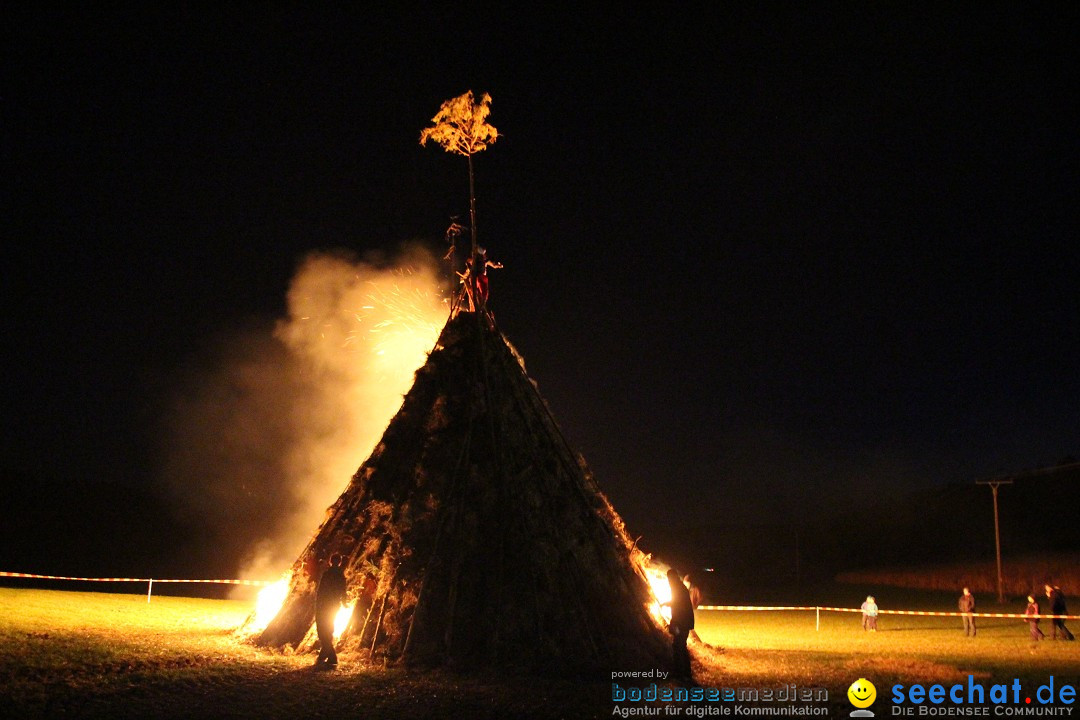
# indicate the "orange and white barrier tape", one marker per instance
pixel 739 608
pixel 820 608
pixel 1021 616
pixel 140 580
pixel 757 607
pixel 149 581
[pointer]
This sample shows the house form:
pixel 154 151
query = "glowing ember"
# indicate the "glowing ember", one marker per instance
pixel 341 620
pixel 269 602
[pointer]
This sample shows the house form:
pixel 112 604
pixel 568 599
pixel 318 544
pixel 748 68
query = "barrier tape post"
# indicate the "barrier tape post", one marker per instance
pixel 817 622
pixel 149 589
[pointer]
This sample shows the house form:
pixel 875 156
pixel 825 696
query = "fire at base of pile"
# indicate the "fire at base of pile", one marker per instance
pixel 479 535
pixel 356 616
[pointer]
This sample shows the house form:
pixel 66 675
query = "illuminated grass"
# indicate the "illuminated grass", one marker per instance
pixel 784 647
pixel 93 654
pixel 65 654
pixel 58 646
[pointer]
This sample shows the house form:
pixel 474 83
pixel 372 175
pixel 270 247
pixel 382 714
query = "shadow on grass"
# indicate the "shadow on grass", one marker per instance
pixel 949 629
pixel 918 629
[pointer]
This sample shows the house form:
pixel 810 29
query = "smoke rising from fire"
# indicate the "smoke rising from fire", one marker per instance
pixel 271 426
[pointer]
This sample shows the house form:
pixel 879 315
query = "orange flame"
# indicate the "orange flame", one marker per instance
pixel 341 620
pixel 269 602
pixel 661 592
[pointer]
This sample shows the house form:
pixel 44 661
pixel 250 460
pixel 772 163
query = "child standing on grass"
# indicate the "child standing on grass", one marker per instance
pixel 1033 622
pixel 869 614
pixel 967 607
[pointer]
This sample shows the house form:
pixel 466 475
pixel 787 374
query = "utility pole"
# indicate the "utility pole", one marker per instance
pixel 1068 464
pixel 997 531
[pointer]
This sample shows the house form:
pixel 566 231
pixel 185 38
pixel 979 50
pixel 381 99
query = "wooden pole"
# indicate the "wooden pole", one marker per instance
pixel 1008 480
pixel 472 208
pixel 997 533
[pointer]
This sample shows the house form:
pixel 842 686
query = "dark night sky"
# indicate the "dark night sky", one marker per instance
pixel 756 260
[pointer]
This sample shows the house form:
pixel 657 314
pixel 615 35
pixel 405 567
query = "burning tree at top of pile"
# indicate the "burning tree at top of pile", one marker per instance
pixel 461 127
pixel 474 535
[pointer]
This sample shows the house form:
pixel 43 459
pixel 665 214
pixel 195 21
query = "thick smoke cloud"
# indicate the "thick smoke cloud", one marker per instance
pixel 273 422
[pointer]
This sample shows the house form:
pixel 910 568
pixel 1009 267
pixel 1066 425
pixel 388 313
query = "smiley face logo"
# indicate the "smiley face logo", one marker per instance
pixel 862 693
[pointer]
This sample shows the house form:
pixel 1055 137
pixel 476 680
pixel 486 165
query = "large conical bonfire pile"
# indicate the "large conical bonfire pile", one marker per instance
pixel 479 535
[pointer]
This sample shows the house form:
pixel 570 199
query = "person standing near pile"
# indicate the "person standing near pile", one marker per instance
pixel 682 622
pixel 329 595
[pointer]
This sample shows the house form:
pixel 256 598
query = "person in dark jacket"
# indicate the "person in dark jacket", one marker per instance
pixel 967 606
pixel 329 595
pixel 1033 622
pixel 682 622
pixel 1057 607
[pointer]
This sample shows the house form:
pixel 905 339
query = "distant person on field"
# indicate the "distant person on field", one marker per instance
pixel 682 622
pixel 967 607
pixel 1057 607
pixel 329 595
pixel 869 614
pixel 1033 622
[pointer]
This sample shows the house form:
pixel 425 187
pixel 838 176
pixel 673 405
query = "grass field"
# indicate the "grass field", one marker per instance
pixel 95 655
